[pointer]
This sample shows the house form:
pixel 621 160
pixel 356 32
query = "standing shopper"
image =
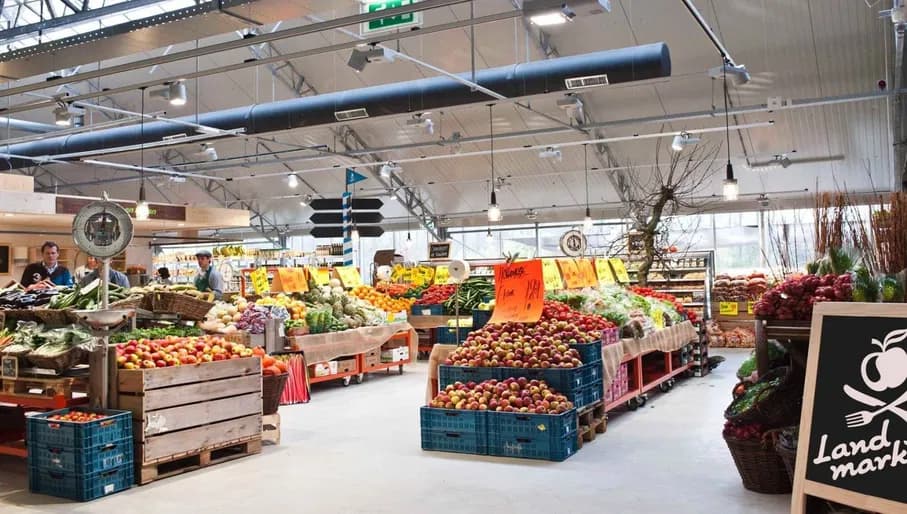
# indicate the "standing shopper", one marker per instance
pixel 48 269
pixel 115 276
pixel 208 278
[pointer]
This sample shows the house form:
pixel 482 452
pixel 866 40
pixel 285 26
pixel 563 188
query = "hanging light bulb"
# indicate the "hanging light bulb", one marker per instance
pixel 409 241
pixel 587 221
pixel 730 189
pixel 292 181
pixel 142 210
pixel 494 211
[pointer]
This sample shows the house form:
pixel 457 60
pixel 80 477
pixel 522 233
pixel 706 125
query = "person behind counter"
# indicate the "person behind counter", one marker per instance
pixel 116 277
pixel 208 278
pixel 48 269
pixel 163 276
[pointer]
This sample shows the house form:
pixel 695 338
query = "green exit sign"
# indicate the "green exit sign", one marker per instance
pixel 400 21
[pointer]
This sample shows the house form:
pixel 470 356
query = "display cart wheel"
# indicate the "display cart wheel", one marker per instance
pixel 401 369
pixel 689 373
pixel 631 404
pixel 360 377
pixel 643 398
pixel 347 380
pixel 671 383
pixel 664 386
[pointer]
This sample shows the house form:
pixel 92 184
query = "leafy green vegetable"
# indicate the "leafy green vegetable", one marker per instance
pixel 156 333
pixel 753 393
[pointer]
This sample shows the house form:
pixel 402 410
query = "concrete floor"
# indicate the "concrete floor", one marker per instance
pixel 356 450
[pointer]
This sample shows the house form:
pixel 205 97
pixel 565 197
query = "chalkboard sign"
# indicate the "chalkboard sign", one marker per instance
pixel 439 250
pixel 853 428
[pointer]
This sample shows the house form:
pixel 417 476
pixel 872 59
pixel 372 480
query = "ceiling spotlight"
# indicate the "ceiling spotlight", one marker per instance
pixel 682 140
pixel 532 214
pixel 208 152
pixel 573 106
pixel 306 200
pixel 550 152
pixel 763 201
pixel 362 56
pixel 736 75
pixel 489 236
pixel 292 181
pixel 556 12
pixel 62 117
pixel 175 92
pixel 388 169
pixel 422 121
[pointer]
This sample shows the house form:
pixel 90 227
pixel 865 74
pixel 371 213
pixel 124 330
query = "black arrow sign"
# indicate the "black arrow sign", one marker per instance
pixel 326 232
pixel 336 204
pixel 336 218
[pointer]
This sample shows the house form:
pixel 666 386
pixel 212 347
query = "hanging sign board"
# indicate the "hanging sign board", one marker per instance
pixel 349 276
pixel 727 308
pixel 551 275
pixel 519 292
pixel 439 250
pixel 853 425
pixel 603 270
pixel 289 280
pixel 321 276
pixel 570 273
pixel 260 281
pixel 620 270
pixel 442 275
pixel 587 272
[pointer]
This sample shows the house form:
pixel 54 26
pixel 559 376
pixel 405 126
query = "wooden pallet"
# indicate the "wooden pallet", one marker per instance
pixel 45 387
pixel 179 464
pixel 270 428
pixel 592 421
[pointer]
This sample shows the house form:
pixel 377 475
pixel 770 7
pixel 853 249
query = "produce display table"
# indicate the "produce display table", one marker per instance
pixel 794 334
pixel 426 322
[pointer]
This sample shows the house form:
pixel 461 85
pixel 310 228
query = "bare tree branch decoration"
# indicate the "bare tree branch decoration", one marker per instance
pixel 670 188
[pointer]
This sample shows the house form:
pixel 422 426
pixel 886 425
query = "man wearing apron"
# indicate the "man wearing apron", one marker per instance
pixel 208 278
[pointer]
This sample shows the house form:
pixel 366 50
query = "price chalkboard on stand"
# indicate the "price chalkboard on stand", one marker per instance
pixel 853 426
pixel 439 250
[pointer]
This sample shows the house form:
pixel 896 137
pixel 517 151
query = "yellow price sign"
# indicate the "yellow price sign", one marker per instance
pixel 442 275
pixel 321 276
pixel 620 270
pixel 603 270
pixel 727 308
pixel 749 307
pixel 551 275
pixel 260 281
pixel 658 319
pixel 349 276
pixel 587 272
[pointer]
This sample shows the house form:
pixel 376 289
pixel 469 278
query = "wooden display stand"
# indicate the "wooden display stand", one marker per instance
pixel 189 417
pixel 641 382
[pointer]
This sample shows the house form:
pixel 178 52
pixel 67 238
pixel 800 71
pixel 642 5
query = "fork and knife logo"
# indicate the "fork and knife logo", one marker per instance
pixel 891 363
pixel 865 417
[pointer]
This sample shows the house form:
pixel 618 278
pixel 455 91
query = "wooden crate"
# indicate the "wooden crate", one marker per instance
pixel 147 473
pixel 45 387
pixel 592 420
pixel 184 411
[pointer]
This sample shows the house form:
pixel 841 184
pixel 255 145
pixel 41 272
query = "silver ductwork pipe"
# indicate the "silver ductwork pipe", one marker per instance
pixel 520 80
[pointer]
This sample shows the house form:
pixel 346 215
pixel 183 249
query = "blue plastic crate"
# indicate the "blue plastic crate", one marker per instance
pixel 532 436
pixel 520 424
pixel 81 461
pixel 591 373
pixel 589 353
pixel 428 310
pixel 443 420
pixel 563 380
pixel 66 434
pixel 448 335
pixel 455 441
pixel 450 374
pixel 586 395
pixel 480 318
pixel 80 487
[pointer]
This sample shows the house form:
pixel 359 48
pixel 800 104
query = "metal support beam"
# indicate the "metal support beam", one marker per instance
pixel 81 15
pixel 898 108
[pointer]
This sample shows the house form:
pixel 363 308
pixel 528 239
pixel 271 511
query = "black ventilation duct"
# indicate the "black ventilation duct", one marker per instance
pixel 520 80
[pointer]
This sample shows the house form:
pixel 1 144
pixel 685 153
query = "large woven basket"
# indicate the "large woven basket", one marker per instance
pixel 774 408
pixel 789 458
pixel 47 317
pixel 760 466
pixel 186 306
pixel 271 388
pixel 132 302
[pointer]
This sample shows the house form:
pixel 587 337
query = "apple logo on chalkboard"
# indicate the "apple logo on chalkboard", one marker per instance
pixel 881 371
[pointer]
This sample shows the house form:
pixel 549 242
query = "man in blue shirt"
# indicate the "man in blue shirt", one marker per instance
pixel 47 269
pixel 116 277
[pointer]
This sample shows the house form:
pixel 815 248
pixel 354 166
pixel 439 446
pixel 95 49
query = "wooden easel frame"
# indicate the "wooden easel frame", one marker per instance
pixel 802 486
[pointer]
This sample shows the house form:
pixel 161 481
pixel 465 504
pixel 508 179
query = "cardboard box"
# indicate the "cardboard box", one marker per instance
pixel 323 369
pixel 395 354
pixel 345 365
pixel 372 359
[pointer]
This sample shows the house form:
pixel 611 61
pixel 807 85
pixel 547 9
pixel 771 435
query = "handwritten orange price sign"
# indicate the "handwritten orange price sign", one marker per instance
pixel 290 280
pixel 587 272
pixel 519 292
pixel 603 268
pixel 570 273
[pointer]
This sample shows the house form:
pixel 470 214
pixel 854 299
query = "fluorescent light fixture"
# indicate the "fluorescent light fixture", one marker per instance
pixel 62 117
pixel 362 56
pixel 550 152
pixel 682 140
pixel 555 18
pixel 586 82
pixel 292 181
pixel 351 114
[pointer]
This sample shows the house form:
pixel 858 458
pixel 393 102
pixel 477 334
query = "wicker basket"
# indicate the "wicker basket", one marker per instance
pixel 48 317
pixel 271 390
pixel 760 467
pixel 774 408
pixel 186 306
pixel 132 302
pixel 789 458
pixel 59 363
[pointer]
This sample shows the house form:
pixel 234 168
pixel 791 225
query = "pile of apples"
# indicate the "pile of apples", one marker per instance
pixel 77 416
pixel 531 345
pixel 510 395
pixel 177 351
pixel 747 432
